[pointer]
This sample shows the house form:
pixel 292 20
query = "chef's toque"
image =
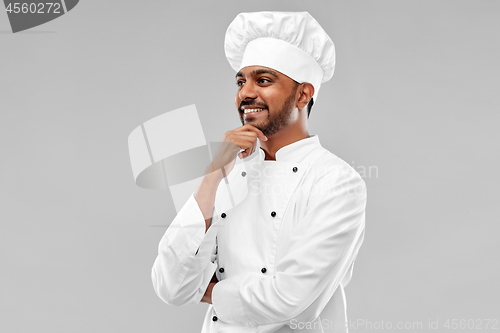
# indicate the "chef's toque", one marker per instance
pixel 292 43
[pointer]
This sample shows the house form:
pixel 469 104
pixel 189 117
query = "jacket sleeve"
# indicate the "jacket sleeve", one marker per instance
pixel 321 251
pixel 186 254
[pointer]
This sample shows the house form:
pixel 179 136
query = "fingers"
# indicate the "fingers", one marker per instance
pixel 253 129
pixel 245 137
pixel 242 140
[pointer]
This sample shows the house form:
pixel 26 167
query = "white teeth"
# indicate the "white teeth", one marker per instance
pixel 252 110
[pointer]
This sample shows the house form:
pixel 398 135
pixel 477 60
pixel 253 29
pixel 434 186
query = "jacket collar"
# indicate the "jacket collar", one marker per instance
pixel 296 151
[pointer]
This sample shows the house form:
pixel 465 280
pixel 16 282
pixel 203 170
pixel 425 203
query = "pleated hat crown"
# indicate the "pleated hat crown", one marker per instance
pixel 292 43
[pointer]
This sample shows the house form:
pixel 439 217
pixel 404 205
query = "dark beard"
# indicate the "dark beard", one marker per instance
pixel 276 122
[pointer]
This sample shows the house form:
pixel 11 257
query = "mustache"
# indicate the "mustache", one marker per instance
pixel 261 105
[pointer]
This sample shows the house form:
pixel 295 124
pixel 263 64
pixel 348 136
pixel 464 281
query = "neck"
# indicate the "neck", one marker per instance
pixel 281 139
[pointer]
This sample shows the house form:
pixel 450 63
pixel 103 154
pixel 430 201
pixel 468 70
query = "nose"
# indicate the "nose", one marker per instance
pixel 248 91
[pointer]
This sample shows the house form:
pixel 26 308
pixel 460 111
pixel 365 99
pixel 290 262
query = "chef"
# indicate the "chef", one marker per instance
pixel 270 236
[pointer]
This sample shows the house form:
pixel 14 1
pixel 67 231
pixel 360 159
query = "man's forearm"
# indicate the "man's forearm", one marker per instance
pixel 244 137
pixel 207 298
pixel 205 194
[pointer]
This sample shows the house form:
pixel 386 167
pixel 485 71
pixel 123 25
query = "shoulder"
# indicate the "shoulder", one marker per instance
pixel 332 172
pixel 324 163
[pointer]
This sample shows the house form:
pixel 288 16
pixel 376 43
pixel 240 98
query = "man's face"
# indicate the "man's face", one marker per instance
pixel 268 98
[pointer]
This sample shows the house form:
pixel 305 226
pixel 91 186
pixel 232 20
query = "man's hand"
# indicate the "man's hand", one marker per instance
pixel 207 298
pixel 244 137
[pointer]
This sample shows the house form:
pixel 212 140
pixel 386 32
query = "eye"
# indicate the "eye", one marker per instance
pixel 264 80
pixel 240 83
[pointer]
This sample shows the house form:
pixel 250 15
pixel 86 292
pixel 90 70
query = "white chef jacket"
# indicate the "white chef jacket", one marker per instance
pixel 282 243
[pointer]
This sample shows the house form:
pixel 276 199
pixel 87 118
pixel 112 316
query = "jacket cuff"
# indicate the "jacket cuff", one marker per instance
pixel 226 301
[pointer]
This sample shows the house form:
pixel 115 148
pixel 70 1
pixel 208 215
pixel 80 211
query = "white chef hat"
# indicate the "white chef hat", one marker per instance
pixel 292 43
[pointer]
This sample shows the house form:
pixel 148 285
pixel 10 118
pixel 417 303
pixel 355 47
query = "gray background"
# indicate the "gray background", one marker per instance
pixel 415 95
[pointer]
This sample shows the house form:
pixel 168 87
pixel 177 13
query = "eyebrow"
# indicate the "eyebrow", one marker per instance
pixel 257 72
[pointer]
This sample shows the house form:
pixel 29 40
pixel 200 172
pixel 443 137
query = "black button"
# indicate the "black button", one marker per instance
pixel 214 318
pixel 273 213
pixel 221 270
pixel 295 169
pixel 263 270
pixel 223 215
pixel 243 173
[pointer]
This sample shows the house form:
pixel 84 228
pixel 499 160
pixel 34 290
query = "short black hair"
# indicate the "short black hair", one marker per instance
pixel 309 106
pixel 311 101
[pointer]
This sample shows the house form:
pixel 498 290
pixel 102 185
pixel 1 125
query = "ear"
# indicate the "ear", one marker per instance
pixel 306 91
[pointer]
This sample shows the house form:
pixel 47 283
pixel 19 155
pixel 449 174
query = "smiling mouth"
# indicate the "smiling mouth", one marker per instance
pixel 252 109
pixel 247 111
